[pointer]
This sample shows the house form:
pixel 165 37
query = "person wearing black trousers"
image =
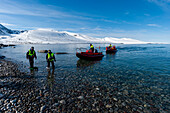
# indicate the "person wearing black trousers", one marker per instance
pixel 50 59
pixel 31 54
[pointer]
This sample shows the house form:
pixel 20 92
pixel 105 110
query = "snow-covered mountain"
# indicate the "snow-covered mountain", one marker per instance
pixel 45 36
pixel 6 31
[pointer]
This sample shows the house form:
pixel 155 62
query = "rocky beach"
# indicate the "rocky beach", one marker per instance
pixel 20 93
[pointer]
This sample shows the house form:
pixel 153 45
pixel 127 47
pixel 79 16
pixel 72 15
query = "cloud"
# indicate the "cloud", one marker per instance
pixel 119 33
pixel 153 25
pixel 164 1
pixel 16 8
pixel 165 4
pixel 109 21
pixel 49 11
pixel 147 14
pixel 127 13
pixel 159 1
pixel 131 23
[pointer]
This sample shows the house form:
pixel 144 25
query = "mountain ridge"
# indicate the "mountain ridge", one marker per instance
pixel 6 31
pixel 49 36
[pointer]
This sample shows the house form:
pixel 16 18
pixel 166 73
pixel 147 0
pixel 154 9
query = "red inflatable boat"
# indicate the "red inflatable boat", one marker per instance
pixel 89 55
pixel 111 50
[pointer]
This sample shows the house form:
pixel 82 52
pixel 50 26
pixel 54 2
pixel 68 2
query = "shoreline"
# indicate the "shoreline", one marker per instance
pixel 11 81
pixel 9 69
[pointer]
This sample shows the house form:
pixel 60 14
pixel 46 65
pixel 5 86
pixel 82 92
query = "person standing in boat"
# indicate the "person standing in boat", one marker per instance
pixel 110 46
pixel 114 47
pixel 92 48
pixel 50 59
pixel 31 54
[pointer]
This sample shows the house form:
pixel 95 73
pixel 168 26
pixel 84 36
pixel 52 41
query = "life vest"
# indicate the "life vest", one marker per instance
pixel 110 46
pixel 91 46
pixel 31 53
pixel 50 57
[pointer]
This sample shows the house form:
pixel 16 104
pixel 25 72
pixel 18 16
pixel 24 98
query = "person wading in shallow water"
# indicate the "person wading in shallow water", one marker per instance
pixel 50 59
pixel 31 54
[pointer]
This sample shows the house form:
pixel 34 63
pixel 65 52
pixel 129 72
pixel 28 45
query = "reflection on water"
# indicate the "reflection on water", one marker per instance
pixel 110 55
pixel 50 79
pixel 85 63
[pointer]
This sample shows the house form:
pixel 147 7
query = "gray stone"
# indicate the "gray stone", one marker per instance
pixel 80 97
pixel 42 109
pixel 1 95
pixel 62 102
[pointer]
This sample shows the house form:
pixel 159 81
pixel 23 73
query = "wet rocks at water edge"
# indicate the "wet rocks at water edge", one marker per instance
pixel 2 57
pixel 8 68
pixel 43 51
pixel 9 45
pixel 46 51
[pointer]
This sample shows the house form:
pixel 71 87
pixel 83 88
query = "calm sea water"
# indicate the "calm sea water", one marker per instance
pixel 139 69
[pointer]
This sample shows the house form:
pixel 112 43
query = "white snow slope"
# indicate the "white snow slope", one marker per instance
pixel 45 36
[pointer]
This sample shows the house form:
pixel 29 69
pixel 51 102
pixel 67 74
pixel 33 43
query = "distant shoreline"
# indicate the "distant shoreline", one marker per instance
pixel 13 44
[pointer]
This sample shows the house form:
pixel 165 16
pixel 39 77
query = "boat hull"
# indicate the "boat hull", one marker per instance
pixel 111 51
pixel 90 56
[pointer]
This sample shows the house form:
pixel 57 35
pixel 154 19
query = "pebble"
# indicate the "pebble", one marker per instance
pixel 19 101
pixel 115 99
pixel 1 95
pixel 80 97
pixel 55 105
pixel 42 109
pixel 38 98
pixel 13 101
pixel 111 110
pixel 123 104
pixel 97 89
pixel 62 102
pixel 108 106
pixel 125 92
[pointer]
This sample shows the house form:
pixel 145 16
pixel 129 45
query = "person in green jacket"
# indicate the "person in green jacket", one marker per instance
pixel 110 46
pixel 50 59
pixel 92 48
pixel 31 54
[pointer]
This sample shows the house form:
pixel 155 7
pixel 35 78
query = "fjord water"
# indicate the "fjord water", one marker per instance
pixel 137 72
